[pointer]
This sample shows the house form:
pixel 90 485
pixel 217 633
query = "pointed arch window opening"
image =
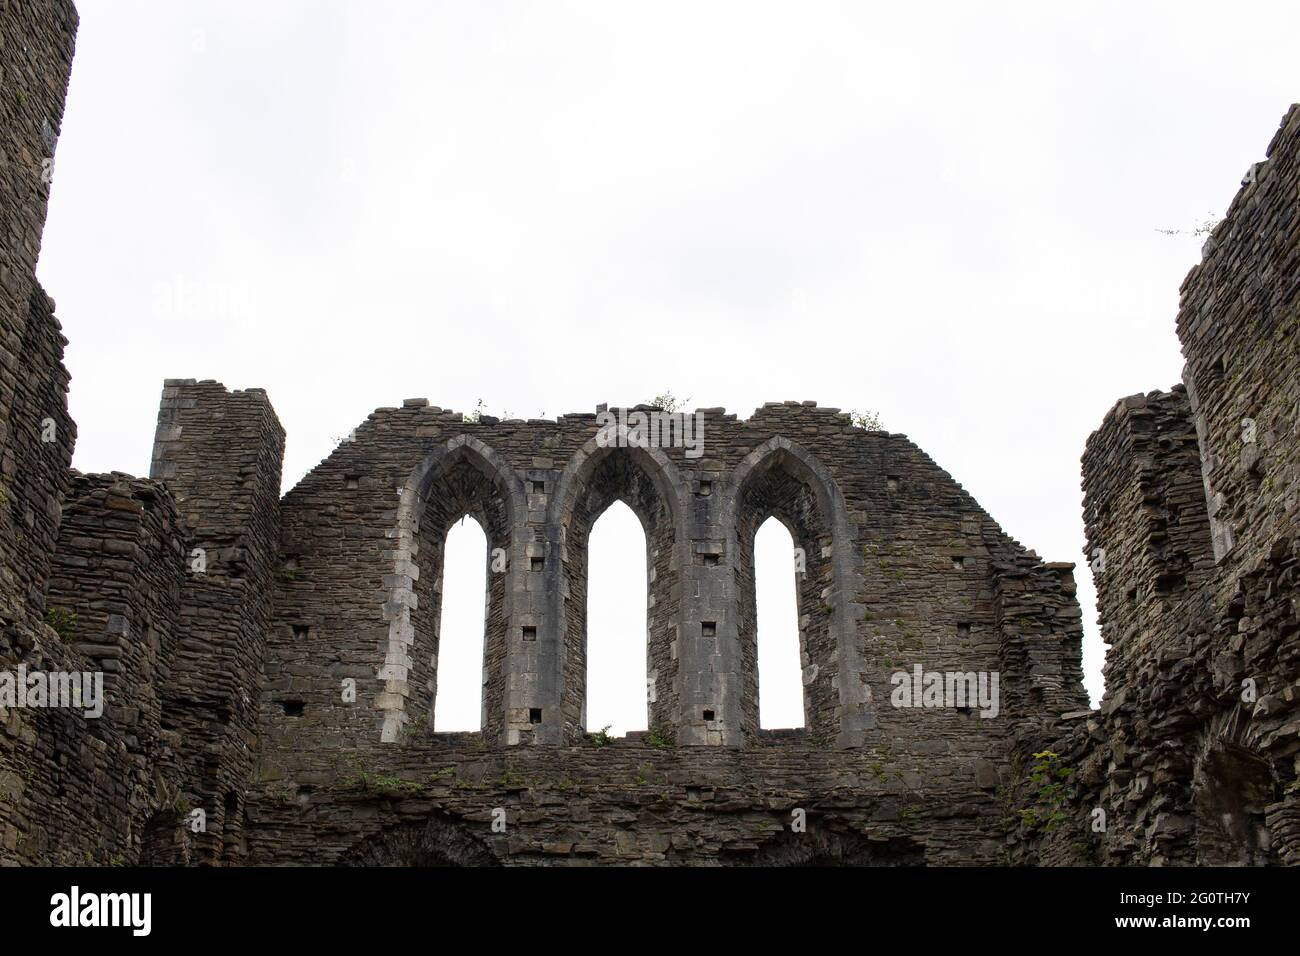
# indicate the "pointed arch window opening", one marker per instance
pixel 617 687
pixel 462 625
pixel 777 566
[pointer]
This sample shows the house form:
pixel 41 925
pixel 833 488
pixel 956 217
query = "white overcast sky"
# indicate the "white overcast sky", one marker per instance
pixel 944 212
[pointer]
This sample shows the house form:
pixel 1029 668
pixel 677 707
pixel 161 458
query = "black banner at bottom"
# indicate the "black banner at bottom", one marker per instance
pixel 205 906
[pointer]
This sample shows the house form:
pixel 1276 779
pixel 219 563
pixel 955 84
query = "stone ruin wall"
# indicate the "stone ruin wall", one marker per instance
pixel 218 453
pixel 903 568
pixel 180 651
pixel 92 566
pixel 1191 497
pixel 36 43
pixel 924 572
pixel 1237 325
pixel 223 683
pixel 116 579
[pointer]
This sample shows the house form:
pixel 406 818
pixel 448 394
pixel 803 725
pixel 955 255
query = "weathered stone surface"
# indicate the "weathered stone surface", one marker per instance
pixel 902 569
pixel 1191 499
pixel 271 663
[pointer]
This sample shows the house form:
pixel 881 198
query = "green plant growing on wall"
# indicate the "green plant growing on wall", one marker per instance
pixel 509 780
pixel 601 738
pixel 1085 853
pixel 63 621
pixel 446 773
pixel 474 417
pixel 282 792
pixel 410 730
pixel 660 737
pixel 389 786
pixel 1047 776
pixel 481 411
pixel 866 420
pixel 667 402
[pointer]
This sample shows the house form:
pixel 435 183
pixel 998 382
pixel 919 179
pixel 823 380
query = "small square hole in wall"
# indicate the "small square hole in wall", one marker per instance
pixel 292 708
pixel 1133 596
pixel 706 489
pixel 534 715
pixel 891 483
pixel 300 631
pixel 963 630
pixel 352 481
pixel 958 562
pixel 711 560
pixel 709 715
pixel 530 633
pixel 709 628
pixel 536 564
pixel 539 487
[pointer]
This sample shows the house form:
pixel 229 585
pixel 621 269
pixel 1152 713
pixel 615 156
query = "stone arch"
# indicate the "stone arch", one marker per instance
pixel 782 479
pixel 438 841
pixel 165 840
pixel 463 476
pixel 1233 787
pixel 647 481
pixel 828 847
